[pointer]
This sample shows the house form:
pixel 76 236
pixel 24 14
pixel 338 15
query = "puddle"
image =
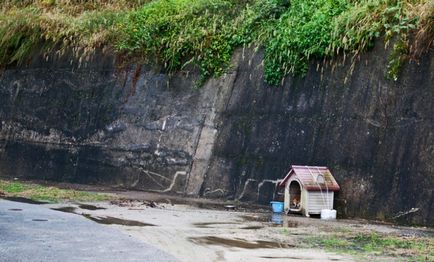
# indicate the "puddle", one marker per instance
pixel 210 224
pixel 290 224
pixel 287 257
pixel 24 200
pixel 275 220
pixel 261 218
pixel 116 221
pixel 240 243
pixel 40 220
pixel 90 207
pixel 15 209
pixel 65 209
pixel 252 227
pixel 284 222
pixel 106 220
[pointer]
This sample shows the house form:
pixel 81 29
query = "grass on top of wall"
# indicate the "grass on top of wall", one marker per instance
pixel 205 33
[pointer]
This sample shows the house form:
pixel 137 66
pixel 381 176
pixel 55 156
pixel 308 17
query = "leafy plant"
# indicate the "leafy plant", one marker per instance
pixel 356 29
pixel 301 33
pixel 178 32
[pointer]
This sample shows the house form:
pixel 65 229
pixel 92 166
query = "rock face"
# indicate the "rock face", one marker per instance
pixel 234 137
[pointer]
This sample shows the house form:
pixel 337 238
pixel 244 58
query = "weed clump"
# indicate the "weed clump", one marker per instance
pixel 47 193
pixel 364 245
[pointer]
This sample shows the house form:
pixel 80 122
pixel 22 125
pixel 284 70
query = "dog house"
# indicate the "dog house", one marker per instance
pixel 309 189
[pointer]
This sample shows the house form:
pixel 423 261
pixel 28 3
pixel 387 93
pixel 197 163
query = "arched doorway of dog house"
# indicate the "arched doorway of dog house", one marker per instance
pixel 295 195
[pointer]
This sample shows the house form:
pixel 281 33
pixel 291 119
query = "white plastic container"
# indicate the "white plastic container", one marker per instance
pixel 328 214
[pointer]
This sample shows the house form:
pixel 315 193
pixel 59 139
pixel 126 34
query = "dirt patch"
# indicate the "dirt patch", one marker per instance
pixel 131 203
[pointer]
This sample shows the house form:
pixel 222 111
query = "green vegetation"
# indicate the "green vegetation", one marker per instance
pixel 375 244
pixel 204 33
pixel 48 193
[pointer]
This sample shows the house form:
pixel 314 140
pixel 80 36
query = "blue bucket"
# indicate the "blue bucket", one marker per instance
pixel 277 206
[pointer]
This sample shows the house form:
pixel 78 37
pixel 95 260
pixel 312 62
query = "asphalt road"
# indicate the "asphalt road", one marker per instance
pixel 36 233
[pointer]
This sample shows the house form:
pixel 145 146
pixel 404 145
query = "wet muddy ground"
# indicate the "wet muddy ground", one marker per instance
pixel 206 230
pixel 212 232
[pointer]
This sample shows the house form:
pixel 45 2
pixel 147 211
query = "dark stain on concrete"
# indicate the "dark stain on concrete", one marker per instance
pixel 108 220
pixel 90 207
pixel 239 243
pixel 212 224
pixel 25 200
pixel 65 209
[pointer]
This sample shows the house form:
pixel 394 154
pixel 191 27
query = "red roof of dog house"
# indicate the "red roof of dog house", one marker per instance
pixel 308 176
